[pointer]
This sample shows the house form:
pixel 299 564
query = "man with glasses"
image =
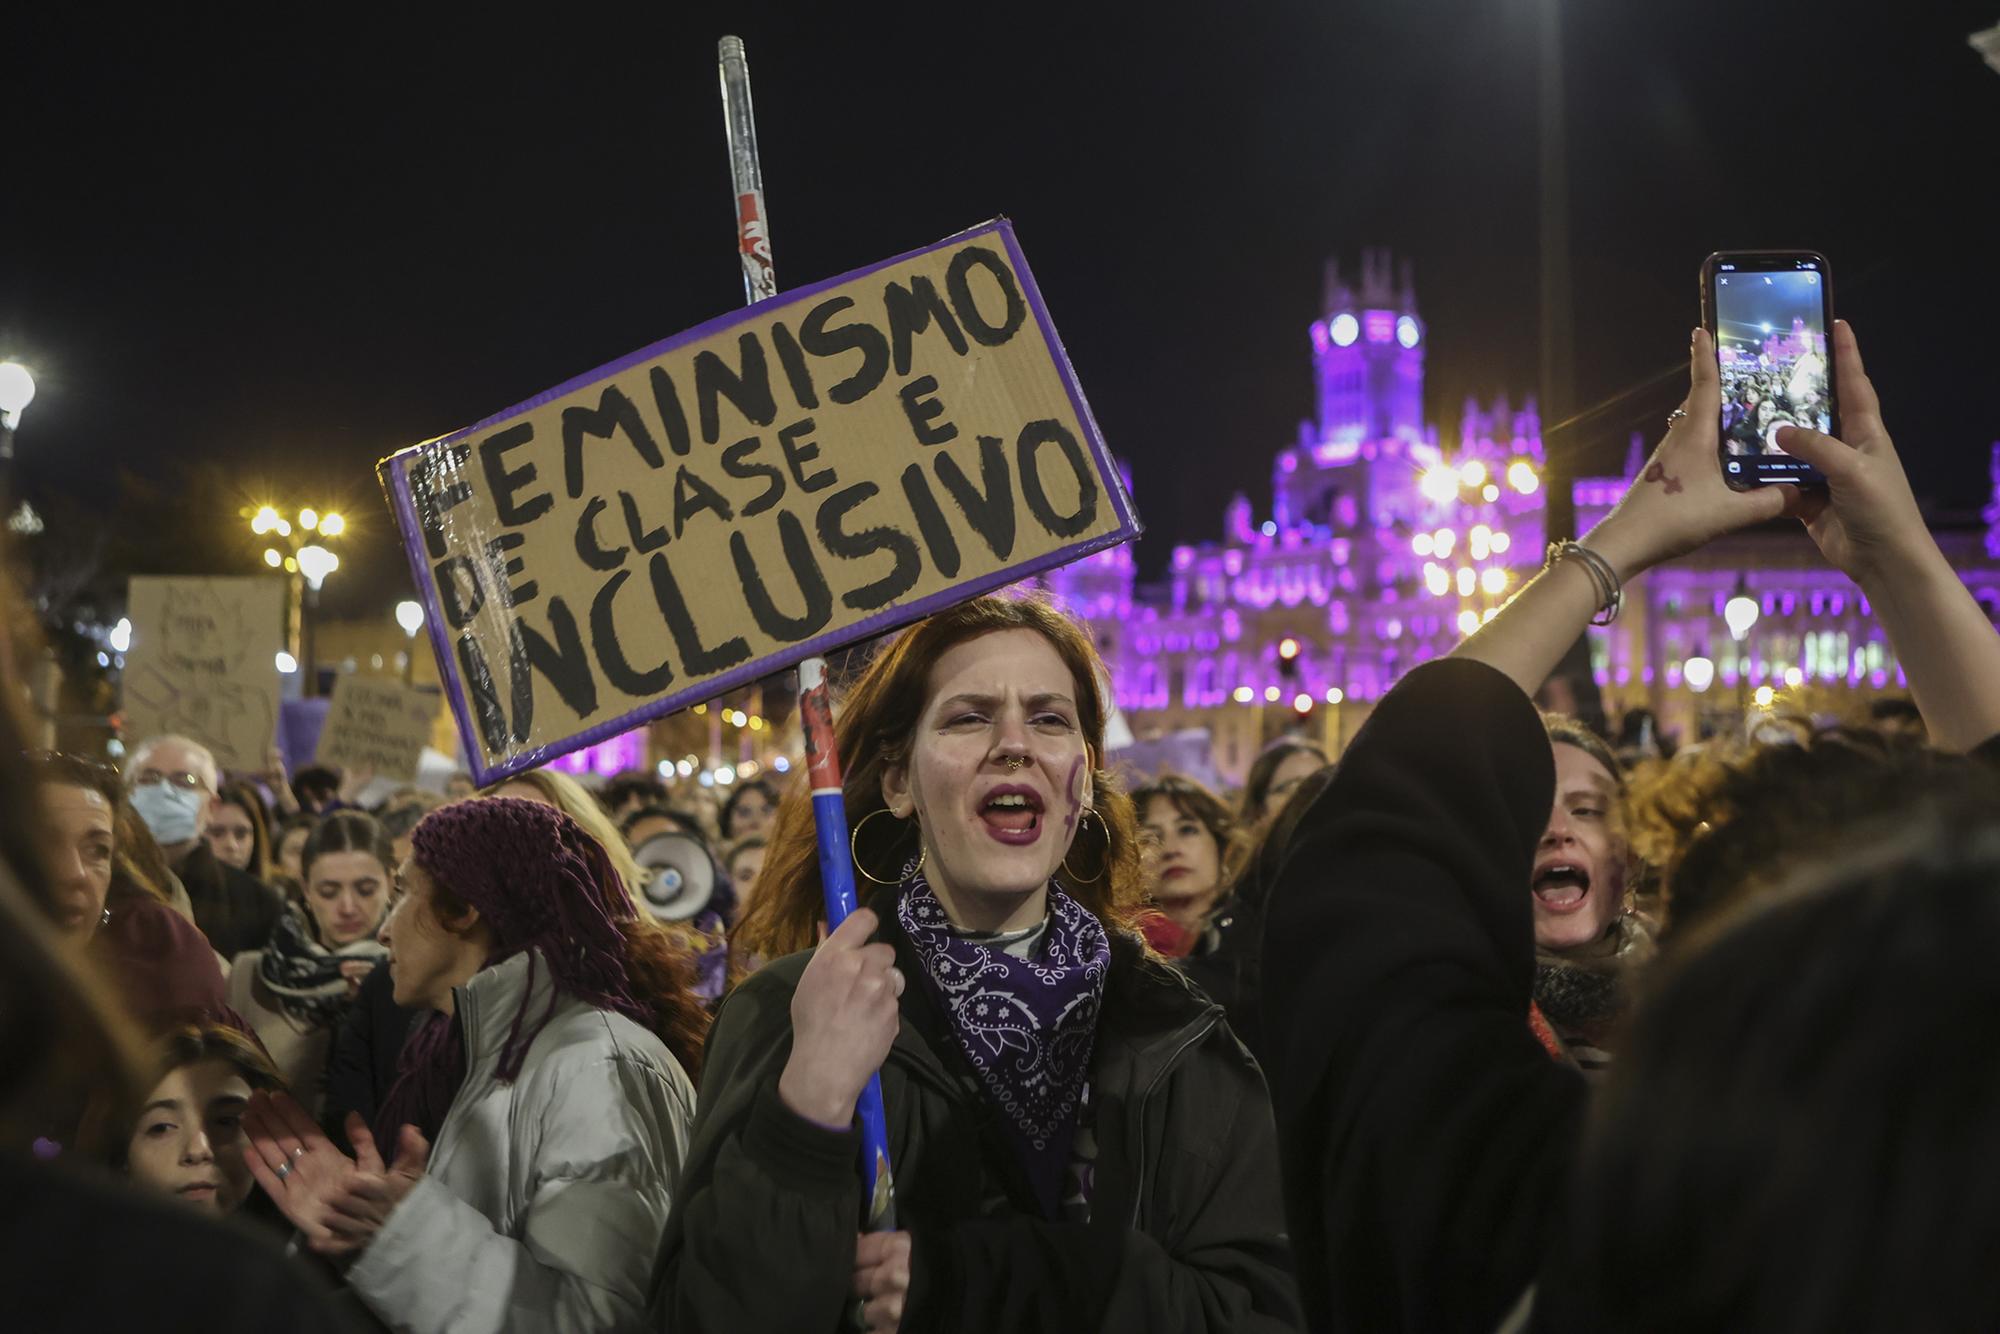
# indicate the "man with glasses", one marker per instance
pixel 173 782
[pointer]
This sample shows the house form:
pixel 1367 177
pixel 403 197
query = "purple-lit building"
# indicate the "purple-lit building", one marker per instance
pixel 1384 545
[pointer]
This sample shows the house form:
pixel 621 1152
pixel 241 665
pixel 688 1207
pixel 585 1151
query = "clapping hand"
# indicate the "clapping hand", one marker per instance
pixel 337 1203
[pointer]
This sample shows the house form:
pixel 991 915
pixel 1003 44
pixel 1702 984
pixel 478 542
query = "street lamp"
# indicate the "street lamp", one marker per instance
pixel 410 615
pixel 17 390
pixel 1739 614
pixel 297 547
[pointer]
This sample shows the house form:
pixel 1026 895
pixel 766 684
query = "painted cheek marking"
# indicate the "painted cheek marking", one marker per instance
pixel 1073 788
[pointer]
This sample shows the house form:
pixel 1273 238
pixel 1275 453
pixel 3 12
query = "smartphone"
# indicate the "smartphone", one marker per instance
pixel 1770 313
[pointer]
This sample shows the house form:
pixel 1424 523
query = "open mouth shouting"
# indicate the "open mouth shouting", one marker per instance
pixel 1561 885
pixel 1012 814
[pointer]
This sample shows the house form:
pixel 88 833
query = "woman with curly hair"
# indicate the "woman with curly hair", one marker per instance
pixel 554 1080
pixel 1079 1142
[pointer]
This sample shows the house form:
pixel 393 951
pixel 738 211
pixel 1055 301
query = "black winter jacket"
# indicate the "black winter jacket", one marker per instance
pixel 1427 1135
pixel 1186 1233
pixel 361 1067
pixel 234 909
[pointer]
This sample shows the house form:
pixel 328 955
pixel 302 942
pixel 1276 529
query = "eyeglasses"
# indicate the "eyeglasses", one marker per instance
pixel 153 777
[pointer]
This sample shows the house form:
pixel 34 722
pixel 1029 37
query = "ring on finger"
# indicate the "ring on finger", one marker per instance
pixel 1674 417
pixel 298 1153
pixel 284 1170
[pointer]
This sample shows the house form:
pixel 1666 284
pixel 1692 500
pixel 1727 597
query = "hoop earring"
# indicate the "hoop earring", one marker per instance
pixel 1084 819
pixel 854 849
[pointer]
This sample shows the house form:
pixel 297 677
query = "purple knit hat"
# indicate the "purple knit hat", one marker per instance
pixel 539 882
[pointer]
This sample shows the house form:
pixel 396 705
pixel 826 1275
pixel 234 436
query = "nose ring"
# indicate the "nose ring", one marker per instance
pixel 1015 762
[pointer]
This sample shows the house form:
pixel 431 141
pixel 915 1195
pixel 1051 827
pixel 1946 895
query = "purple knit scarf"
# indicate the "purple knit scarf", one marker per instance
pixel 1026 1025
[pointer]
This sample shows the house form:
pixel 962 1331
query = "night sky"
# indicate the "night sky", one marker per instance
pixel 296 250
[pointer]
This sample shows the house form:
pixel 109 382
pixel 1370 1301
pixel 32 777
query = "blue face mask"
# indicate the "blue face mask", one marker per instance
pixel 171 813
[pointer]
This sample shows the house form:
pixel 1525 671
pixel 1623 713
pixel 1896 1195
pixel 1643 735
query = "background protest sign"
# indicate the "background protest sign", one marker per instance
pixel 204 664
pixel 810 471
pixel 376 725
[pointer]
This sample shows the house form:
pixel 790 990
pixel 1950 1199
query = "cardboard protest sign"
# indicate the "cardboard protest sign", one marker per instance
pixel 377 725
pixel 810 471
pixel 204 664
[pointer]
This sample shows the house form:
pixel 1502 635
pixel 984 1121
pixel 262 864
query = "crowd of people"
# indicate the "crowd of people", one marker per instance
pixel 1492 1024
pixel 1763 393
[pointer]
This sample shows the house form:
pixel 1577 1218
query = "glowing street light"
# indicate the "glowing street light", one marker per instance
pixel 1699 673
pixel 1740 612
pixel 316 563
pixel 331 525
pixel 1439 483
pixel 410 615
pixel 17 390
pixel 1764 696
pixel 1521 476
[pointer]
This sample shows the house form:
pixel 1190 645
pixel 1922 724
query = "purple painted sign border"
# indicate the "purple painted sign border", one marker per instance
pixel 397 481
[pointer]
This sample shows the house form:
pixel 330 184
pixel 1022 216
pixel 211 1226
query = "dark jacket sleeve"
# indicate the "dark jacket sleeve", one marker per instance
pixel 1426 1134
pixel 1225 1267
pixel 764 1220
pixel 361 1064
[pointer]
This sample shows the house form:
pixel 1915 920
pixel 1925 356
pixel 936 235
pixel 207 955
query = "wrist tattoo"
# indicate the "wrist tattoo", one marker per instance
pixel 1655 473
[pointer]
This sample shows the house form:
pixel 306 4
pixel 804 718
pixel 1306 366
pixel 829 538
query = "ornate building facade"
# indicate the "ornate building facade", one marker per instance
pixel 1385 545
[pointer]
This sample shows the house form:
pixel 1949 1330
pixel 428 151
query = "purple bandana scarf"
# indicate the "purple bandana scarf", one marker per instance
pixel 1027 1025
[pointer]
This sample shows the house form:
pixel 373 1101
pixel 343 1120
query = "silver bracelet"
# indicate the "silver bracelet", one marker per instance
pixel 1610 596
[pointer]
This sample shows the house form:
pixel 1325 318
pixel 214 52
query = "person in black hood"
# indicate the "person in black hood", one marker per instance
pixel 1077 1139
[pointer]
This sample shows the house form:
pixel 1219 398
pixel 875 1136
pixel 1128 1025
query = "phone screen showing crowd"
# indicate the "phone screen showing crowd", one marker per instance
pixel 1771 345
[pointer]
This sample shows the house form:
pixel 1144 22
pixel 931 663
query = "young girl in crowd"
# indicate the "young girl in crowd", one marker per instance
pixel 1792 1137
pixel 1187 832
pixel 296 991
pixel 1078 1141
pixel 286 856
pixel 188 1141
pixel 1590 942
pixel 540 1120
pixel 745 865
pixel 749 810
pixel 1278 769
pixel 235 830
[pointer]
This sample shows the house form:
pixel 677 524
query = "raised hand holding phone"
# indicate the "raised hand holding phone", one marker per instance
pixel 1867 517
pixel 1866 522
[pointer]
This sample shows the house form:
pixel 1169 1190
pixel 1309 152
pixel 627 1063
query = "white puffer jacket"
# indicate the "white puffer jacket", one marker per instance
pixel 545 1198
